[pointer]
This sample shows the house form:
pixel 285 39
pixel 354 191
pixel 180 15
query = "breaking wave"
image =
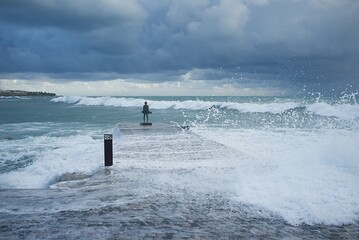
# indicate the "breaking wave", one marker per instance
pixel 339 110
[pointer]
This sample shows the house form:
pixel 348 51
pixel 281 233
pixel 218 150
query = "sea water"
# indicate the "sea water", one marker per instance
pixel 248 167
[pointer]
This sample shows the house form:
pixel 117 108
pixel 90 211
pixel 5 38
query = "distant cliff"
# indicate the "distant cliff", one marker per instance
pixel 24 93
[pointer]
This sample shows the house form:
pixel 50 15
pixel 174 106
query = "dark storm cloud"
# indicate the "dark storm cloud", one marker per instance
pixel 296 42
pixel 74 36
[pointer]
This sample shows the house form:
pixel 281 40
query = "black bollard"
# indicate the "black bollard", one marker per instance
pixel 108 150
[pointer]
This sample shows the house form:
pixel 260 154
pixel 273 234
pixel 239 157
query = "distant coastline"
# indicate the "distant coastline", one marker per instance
pixel 24 93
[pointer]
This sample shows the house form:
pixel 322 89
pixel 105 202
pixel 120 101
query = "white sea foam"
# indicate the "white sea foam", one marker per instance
pixel 305 177
pixel 79 153
pixel 67 99
pixel 344 110
pixel 15 97
pixel 188 104
pixel 264 107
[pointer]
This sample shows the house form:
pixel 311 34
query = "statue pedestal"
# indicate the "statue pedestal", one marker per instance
pixel 146 124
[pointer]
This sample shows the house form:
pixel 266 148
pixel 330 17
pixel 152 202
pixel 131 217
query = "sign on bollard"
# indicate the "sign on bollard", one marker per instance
pixel 108 150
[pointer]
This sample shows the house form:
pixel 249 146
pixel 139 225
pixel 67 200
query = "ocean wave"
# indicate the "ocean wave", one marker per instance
pixel 67 99
pixel 15 97
pixel 343 110
pixel 188 104
pixel 72 154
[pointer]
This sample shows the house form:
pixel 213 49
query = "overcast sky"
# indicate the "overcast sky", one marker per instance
pixel 180 47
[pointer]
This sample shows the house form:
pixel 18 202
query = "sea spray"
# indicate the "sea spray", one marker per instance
pixel 289 158
pixel 305 176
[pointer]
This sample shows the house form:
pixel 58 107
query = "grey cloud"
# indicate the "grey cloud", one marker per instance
pixel 296 29
pixel 84 15
pixel 55 36
pixel 200 34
